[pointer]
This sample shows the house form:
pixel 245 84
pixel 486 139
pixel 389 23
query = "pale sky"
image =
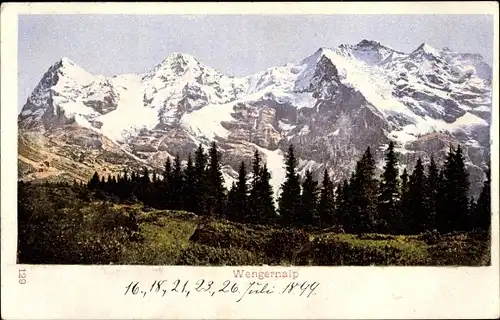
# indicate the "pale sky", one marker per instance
pixel 233 44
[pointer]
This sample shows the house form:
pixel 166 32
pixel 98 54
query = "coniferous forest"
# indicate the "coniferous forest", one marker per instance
pixel 424 198
pixel 183 214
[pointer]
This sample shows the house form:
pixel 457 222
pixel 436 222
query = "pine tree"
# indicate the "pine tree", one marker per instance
pixel 241 195
pixel 155 192
pixel 454 204
pixel 442 219
pixel 145 176
pixel 446 210
pixel 189 186
pixel 265 205
pixel 289 200
pixel 143 187
pixel 342 204
pixel 167 174
pixel 200 186
pixel 216 192
pixel 416 218
pixel 309 200
pixel 108 185
pixel 364 188
pixel 155 177
pixel 405 200
pixel 326 202
pixel 461 194
pixel 113 186
pixel 126 187
pixel 102 184
pixel 231 210
pixel 166 186
pixel 94 181
pixel 389 198
pixel 177 184
pixel 432 194
pixel 254 191
pixel 482 210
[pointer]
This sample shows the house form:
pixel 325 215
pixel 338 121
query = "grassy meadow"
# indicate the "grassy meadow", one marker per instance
pixel 63 224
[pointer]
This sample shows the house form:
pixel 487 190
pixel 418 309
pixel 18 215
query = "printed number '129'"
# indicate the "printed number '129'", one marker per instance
pixel 22 276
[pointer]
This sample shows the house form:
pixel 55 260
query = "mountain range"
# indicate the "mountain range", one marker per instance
pixel 331 106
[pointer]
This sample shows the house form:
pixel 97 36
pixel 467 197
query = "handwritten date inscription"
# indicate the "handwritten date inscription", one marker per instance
pixel 238 290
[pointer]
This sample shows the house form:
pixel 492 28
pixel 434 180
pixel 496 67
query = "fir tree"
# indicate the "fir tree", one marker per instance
pixel 94 181
pixel 416 218
pixel 241 194
pixel 404 206
pixel 454 204
pixel 200 186
pixel 342 204
pixel 254 191
pixel 309 199
pixel 167 174
pixel 166 186
pixel 265 204
pixel 216 192
pixel 231 206
pixel 143 187
pixel 432 187
pixel 177 184
pixel 445 214
pixel 155 177
pixel 389 198
pixel 363 208
pixel 145 176
pixel 326 202
pixel 482 210
pixel 461 191
pixel 442 220
pixel 289 200
pixel 189 186
pixel 108 185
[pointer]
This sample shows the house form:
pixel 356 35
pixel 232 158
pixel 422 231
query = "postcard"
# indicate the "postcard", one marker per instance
pixel 250 160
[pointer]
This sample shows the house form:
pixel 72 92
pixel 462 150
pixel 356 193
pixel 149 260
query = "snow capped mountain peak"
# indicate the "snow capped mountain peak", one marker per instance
pixel 181 67
pixel 182 58
pixel 368 43
pixel 426 48
pixel 315 57
pixel 66 61
pixel 68 69
pixel 177 63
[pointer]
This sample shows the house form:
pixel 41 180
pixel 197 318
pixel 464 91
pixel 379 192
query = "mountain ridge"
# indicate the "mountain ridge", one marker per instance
pixel 335 101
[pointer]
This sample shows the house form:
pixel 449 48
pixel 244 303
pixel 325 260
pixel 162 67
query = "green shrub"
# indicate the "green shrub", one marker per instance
pixel 285 244
pixel 56 227
pixel 453 252
pixel 431 237
pixel 334 252
pixel 226 235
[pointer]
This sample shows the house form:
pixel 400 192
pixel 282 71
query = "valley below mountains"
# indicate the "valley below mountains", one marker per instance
pixel 331 106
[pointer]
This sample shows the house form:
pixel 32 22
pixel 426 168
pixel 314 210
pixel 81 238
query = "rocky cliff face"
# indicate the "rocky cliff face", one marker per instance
pixel 331 106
